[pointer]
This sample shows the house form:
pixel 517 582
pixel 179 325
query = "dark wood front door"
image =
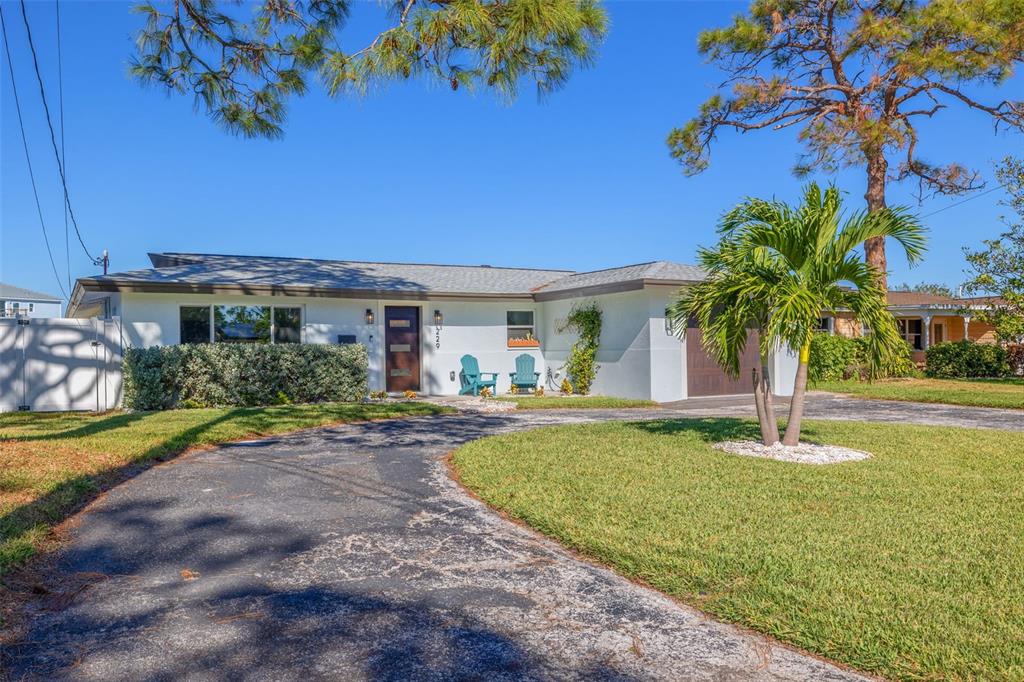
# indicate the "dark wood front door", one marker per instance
pixel 705 377
pixel 402 347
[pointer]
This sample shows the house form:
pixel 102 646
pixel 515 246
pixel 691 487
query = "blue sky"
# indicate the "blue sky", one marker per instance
pixel 415 172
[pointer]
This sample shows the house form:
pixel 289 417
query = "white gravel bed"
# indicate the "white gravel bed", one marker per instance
pixel 804 453
pixel 475 404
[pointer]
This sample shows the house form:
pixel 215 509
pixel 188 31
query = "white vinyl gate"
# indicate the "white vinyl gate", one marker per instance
pixel 56 364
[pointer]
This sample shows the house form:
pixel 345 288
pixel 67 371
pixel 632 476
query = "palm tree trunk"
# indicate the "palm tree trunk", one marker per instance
pixel 796 405
pixel 769 403
pixel 874 248
pixel 762 417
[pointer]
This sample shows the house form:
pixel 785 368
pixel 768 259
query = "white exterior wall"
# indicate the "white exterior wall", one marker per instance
pixel 475 328
pixel 786 361
pixel 639 356
pixel 636 358
pixel 668 352
pixel 153 320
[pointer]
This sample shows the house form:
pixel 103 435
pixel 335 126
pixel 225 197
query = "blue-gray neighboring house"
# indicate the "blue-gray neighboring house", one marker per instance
pixel 19 302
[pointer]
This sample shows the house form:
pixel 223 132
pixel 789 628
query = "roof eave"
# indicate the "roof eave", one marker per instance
pixel 612 288
pixel 129 286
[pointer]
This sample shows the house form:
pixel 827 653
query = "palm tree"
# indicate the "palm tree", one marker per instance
pixel 776 270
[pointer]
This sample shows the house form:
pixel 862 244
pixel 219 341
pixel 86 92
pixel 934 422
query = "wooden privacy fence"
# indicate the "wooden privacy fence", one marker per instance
pixel 58 364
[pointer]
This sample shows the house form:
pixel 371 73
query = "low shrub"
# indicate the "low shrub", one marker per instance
pixel 831 357
pixel 901 365
pixel 835 357
pixel 967 359
pixel 211 375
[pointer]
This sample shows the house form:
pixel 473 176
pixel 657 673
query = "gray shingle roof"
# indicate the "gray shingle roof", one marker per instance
pixel 664 271
pixel 10 292
pixel 407 278
pixel 183 270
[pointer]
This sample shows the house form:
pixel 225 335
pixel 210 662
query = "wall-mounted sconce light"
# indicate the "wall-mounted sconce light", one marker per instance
pixel 369 316
pixel 451 375
pixel 438 318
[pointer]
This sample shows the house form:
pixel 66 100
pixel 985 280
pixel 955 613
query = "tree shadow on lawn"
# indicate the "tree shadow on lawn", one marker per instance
pixel 72 494
pixel 91 428
pixel 708 429
pixel 717 429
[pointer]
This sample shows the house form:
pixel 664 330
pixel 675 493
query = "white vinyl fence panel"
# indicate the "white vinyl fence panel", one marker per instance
pixel 58 364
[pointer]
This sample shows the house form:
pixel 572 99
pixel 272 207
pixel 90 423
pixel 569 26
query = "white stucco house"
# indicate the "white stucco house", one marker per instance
pixel 418 320
pixel 19 302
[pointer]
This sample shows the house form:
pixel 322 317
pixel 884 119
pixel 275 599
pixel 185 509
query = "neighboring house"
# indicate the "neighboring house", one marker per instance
pixel 925 320
pixel 18 302
pixel 418 320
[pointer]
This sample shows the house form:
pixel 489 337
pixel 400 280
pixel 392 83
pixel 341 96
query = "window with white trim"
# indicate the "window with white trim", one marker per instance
pixel 910 330
pixel 520 329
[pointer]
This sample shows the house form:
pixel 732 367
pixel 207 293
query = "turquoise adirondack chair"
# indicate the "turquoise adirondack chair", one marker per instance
pixel 473 379
pixel 524 376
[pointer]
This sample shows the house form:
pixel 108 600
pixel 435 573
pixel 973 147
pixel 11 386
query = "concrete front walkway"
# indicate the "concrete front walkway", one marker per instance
pixel 348 553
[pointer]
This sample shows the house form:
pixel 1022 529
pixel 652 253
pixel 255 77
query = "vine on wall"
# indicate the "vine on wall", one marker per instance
pixel 581 366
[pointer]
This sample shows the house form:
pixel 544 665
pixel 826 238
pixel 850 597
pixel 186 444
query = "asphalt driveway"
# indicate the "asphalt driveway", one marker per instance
pixel 348 552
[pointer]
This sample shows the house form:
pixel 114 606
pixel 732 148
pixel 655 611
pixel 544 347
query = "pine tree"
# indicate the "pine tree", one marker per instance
pixel 242 61
pixel 855 77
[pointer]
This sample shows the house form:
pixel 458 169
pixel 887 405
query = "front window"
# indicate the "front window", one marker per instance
pixel 521 332
pixel 241 324
pixel 823 324
pixel 911 332
pixel 195 324
pixel 287 325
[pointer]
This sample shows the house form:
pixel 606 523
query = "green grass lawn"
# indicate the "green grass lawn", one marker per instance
pixel 973 392
pixel 52 463
pixel 908 565
pixel 574 402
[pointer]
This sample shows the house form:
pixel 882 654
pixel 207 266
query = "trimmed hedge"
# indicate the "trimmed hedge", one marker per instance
pixel 967 359
pixel 835 357
pixel 210 375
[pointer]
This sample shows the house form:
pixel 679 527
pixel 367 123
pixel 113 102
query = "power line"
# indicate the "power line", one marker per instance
pixel 28 158
pixel 63 152
pixel 964 201
pixel 53 137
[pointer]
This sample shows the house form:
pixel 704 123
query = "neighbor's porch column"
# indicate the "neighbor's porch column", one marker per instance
pixel 926 331
pixel 967 327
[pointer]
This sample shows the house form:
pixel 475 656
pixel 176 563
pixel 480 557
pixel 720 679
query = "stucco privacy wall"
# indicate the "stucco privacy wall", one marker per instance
pixel 60 364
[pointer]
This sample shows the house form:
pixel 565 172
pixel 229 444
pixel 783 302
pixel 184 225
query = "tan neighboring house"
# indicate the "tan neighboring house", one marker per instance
pixel 925 320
